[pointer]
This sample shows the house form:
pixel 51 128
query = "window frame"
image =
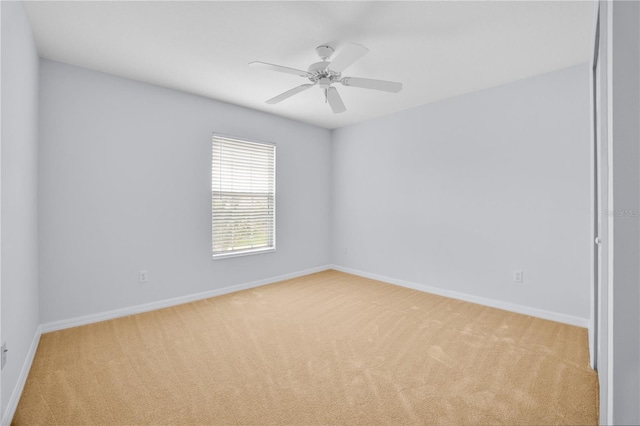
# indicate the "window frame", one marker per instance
pixel 251 251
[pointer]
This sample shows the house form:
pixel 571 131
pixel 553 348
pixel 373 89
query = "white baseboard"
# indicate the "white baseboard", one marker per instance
pixel 122 312
pixel 512 307
pixel 22 379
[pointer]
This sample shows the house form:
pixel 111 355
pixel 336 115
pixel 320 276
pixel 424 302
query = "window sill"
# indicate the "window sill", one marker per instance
pixel 243 253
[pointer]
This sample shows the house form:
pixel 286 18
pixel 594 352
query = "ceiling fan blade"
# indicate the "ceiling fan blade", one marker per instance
pixel 335 101
pixel 347 56
pixel 279 68
pixel 282 96
pixel 368 83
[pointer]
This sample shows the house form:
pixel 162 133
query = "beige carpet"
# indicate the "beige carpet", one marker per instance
pixel 328 348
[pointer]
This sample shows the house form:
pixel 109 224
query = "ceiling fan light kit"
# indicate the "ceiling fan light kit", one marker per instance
pixel 325 73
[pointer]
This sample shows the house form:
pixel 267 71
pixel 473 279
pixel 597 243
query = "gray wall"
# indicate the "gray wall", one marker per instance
pixel 457 194
pixel 624 138
pixel 125 185
pixel 19 192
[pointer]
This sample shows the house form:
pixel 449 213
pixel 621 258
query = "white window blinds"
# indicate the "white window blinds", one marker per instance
pixel 243 196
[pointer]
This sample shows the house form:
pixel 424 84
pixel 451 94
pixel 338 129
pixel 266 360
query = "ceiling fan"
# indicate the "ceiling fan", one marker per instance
pixel 325 73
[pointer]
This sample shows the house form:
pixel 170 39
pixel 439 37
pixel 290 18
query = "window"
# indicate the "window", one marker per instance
pixel 242 196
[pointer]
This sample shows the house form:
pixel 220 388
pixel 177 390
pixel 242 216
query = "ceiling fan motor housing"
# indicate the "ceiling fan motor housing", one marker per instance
pixel 319 73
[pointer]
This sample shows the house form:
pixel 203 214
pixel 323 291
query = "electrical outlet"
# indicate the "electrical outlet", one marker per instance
pixel 517 276
pixel 143 277
pixel 4 355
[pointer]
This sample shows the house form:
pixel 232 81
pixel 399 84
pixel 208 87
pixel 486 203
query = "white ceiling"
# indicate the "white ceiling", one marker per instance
pixel 437 49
